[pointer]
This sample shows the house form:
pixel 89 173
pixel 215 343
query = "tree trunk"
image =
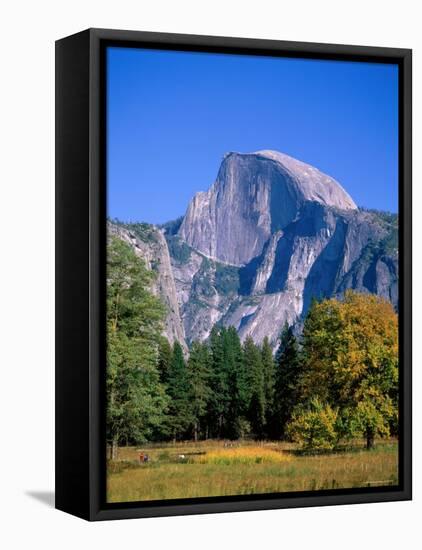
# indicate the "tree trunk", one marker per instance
pixel 195 432
pixel 113 449
pixel 369 438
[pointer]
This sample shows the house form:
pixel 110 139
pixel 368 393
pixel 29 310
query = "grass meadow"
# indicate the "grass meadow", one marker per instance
pixel 218 468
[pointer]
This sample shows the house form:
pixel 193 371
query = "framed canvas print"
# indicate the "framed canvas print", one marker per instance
pixel 233 274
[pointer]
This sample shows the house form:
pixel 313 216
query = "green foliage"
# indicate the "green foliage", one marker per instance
pixel 199 377
pixel 233 359
pixel 143 231
pixel 136 401
pixel 204 280
pixel 388 218
pixel 389 221
pixel 314 427
pixel 372 416
pixel 180 414
pixel 287 382
pixel 165 357
pixel 219 382
pixel 241 378
pixel 178 249
pixel 226 279
pixel 268 367
pixel 390 243
pixel 255 383
pixel 214 277
pixel 227 403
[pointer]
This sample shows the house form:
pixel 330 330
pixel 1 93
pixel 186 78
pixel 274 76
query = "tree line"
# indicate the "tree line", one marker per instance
pixel 224 389
pixel 338 380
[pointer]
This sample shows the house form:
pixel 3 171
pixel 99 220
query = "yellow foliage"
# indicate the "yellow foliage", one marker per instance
pixel 349 341
pixel 350 355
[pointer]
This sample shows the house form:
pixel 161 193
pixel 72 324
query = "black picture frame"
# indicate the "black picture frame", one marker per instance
pixel 80 272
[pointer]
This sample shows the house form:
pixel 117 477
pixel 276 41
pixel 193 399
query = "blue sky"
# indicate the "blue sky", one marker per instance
pixel 172 115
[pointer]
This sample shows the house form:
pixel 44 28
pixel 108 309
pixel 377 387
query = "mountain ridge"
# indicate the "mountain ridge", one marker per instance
pixel 307 248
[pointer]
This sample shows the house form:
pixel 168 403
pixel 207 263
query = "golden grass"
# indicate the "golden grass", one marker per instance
pixel 223 471
pixel 242 455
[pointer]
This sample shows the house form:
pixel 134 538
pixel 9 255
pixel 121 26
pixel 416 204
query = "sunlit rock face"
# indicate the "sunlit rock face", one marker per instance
pixel 254 196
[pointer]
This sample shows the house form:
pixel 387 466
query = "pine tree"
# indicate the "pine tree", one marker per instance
pixel 136 400
pixel 165 355
pixel 268 365
pixel 287 389
pixel 254 377
pixel 235 376
pixel 219 382
pixel 199 376
pixel 179 389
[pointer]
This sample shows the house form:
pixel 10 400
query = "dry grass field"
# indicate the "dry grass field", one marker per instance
pixel 217 468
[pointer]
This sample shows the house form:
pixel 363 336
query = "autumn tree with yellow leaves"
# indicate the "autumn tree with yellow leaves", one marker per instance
pixel 350 366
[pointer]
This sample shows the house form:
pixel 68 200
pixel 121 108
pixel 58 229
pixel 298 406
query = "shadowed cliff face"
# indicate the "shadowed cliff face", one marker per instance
pixel 320 254
pixel 269 235
pixel 254 196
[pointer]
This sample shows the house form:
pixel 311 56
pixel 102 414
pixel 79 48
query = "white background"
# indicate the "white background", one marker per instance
pixel 28 32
